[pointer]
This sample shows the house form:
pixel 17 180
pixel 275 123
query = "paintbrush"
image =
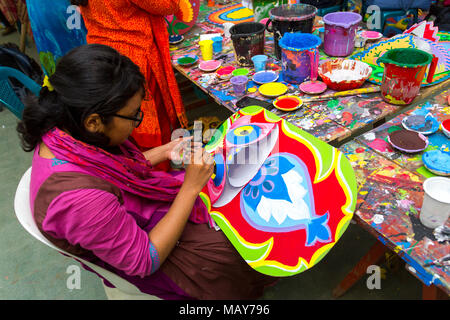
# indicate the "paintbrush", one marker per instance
pixel 341 94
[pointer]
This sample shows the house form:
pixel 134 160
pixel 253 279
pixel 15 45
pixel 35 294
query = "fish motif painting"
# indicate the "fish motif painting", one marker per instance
pixel 281 196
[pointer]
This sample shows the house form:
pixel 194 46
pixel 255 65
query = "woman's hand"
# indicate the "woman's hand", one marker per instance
pixel 199 170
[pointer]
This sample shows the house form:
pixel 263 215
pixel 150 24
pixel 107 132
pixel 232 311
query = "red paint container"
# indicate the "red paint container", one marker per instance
pixel 404 70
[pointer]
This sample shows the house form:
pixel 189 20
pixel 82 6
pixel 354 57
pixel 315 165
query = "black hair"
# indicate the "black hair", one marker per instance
pixel 90 79
pixel 79 2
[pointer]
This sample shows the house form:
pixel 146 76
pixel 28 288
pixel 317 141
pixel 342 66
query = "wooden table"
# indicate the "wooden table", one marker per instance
pixel 335 121
pixel 390 187
pixel 390 196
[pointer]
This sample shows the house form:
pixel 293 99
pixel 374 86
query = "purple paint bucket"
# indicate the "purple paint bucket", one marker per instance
pixel 299 56
pixel 340 32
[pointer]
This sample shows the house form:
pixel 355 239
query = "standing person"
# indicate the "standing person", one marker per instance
pixel 136 28
pixel 9 11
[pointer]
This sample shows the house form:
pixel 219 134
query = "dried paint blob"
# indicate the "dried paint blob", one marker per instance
pixel 273 89
pixel 437 161
pixel 408 141
pixel 288 103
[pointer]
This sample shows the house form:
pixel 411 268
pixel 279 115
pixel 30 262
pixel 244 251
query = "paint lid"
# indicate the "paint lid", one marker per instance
pixel 288 103
pixel 424 124
pixel 263 77
pixel 273 89
pixel 240 72
pixel 187 60
pixel 298 41
pixel 437 161
pixel 408 141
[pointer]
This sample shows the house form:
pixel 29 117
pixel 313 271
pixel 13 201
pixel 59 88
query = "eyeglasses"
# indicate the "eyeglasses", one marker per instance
pixel 137 119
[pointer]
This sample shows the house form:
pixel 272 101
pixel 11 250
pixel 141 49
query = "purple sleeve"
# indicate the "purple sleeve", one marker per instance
pixel 96 221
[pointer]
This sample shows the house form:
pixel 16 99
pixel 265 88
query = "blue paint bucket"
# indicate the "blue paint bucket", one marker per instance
pixel 299 56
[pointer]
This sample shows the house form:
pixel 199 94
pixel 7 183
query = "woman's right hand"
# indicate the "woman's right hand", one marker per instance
pixel 199 170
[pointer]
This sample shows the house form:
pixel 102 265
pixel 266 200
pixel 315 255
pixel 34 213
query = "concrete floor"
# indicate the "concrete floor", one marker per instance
pixel 30 270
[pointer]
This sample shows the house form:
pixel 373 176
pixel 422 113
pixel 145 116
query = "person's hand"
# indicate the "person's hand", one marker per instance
pixel 179 150
pixel 199 170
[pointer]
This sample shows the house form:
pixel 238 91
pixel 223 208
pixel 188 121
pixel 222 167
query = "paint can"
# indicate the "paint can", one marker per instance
pixel 340 33
pixel 299 56
pixel 436 202
pixel 290 18
pixel 404 70
pixel 248 41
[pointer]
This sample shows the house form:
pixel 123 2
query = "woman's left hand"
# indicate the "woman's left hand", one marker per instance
pixel 179 149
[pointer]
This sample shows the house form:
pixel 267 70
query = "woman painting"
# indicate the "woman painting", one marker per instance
pixel 95 195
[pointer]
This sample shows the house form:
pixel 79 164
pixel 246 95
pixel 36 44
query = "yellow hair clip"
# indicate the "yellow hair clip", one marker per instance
pixel 47 84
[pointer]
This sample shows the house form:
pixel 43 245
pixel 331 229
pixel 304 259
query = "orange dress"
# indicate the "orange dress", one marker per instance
pixel 136 28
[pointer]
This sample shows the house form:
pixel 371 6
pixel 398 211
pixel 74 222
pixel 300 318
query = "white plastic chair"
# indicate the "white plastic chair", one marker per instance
pixel 123 290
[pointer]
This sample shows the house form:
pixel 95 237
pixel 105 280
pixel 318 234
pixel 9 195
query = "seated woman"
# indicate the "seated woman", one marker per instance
pixel 95 195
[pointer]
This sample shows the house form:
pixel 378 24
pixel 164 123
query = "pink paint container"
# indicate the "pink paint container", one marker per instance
pixel 340 32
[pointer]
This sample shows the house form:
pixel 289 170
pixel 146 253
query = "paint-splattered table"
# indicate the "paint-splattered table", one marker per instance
pixel 334 121
pixel 390 198
pixel 390 187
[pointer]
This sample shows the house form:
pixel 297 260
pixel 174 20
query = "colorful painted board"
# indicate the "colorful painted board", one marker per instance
pixel 270 192
pixel 185 19
pixel 235 13
pixel 371 55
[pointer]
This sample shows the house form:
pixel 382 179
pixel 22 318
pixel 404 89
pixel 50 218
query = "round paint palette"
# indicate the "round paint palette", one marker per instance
pixel 437 161
pixel 422 124
pixel 371 35
pixel 210 65
pixel 273 89
pixel 288 103
pixel 187 60
pixel 175 39
pixel 313 87
pixel 408 141
pixel 263 77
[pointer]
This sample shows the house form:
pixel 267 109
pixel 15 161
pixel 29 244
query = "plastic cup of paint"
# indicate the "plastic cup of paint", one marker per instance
pixel 217 44
pixel 206 47
pixel 239 85
pixel 436 202
pixel 259 62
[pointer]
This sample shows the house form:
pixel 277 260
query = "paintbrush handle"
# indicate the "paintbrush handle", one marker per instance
pixel 343 93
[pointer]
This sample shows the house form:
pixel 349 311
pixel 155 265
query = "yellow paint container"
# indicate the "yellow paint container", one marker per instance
pixel 206 47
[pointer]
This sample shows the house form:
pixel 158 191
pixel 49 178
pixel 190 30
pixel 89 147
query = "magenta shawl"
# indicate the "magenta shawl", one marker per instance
pixel 129 171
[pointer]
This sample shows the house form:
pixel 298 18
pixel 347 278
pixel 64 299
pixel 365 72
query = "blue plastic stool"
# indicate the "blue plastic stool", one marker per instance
pixel 8 96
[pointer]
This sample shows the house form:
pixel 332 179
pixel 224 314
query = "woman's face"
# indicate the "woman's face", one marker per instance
pixel 119 129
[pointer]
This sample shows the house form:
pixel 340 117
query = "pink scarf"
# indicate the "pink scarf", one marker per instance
pixel 129 171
